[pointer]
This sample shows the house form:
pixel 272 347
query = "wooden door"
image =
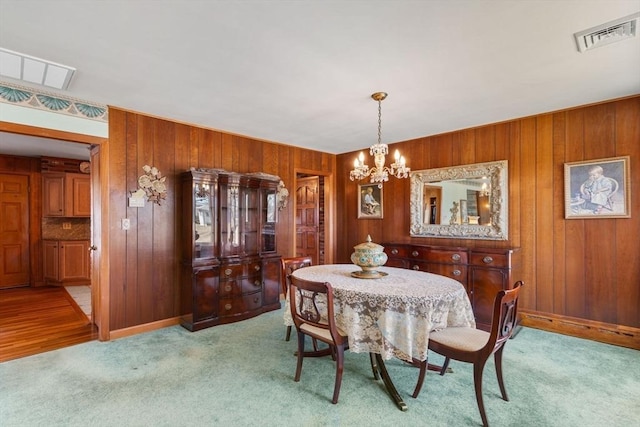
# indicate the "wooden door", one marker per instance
pixel 99 313
pixel 14 231
pixel 307 217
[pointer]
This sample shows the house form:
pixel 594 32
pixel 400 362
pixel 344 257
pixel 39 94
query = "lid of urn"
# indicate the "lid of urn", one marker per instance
pixel 368 246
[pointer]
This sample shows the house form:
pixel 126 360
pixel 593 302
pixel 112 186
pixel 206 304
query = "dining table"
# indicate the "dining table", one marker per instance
pixel 392 314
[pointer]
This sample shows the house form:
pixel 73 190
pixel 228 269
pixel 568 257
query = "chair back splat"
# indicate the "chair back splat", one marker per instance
pixel 289 265
pixel 476 346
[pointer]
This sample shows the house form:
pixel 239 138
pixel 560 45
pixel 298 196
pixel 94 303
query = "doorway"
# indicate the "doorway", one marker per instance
pixel 48 138
pixel 310 192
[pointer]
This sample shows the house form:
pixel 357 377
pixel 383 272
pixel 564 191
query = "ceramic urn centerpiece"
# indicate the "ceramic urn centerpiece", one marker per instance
pixel 368 256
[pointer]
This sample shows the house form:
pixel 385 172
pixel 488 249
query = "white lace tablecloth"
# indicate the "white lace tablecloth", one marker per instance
pixel 392 315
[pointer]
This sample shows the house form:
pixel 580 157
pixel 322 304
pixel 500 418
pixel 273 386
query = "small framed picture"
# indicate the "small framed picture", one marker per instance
pixel 370 201
pixel 597 189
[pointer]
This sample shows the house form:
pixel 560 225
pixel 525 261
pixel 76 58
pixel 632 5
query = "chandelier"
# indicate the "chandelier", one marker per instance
pixel 379 173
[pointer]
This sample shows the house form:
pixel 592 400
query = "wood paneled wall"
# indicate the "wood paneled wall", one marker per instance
pixel 585 269
pixel 143 262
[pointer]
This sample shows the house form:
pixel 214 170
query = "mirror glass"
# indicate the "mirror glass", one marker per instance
pixel 464 202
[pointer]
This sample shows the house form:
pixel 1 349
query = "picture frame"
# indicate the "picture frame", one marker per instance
pixel 597 188
pixel 370 201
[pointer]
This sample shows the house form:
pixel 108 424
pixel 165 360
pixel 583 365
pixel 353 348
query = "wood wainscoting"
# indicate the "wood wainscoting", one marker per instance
pixel 623 336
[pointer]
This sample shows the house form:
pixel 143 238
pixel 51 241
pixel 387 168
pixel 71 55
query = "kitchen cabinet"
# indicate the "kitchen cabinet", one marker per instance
pixel 66 194
pixel 66 262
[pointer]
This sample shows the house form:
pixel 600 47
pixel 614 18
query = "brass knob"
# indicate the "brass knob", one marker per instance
pixel 394 252
pixel 227 288
pixel 93 248
pixel 228 272
pixel 227 306
pixel 257 268
pixel 455 257
pixel 487 260
pixel 414 253
pixel 415 267
pixel 457 272
pixel 257 283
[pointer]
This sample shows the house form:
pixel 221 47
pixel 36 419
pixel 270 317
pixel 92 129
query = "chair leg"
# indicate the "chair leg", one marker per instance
pixel 300 356
pixel 288 337
pixel 477 381
pixel 423 371
pixel 339 370
pixel 498 362
pixel 445 365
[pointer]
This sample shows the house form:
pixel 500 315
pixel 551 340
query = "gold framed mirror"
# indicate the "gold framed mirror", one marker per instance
pixel 461 202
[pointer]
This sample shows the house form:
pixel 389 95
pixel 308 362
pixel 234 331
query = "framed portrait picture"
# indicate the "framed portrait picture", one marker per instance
pixel 369 201
pixel 597 189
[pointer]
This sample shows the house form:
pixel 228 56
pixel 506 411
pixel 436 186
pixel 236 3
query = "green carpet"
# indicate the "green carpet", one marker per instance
pixel 242 375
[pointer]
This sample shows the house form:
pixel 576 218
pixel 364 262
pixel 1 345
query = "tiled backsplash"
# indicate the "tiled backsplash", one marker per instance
pixel 53 228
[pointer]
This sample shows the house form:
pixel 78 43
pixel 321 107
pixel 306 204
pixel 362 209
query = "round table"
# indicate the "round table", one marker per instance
pixel 392 315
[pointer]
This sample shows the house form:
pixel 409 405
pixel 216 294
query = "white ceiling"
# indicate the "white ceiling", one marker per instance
pixel 302 72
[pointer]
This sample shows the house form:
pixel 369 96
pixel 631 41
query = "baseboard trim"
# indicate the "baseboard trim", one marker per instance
pixel 624 336
pixel 147 327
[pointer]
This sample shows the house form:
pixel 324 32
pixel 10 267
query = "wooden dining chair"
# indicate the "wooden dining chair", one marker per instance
pixel 289 265
pixel 475 346
pixel 311 306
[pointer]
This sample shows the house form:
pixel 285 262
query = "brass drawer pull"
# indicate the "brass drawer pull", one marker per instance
pixel 257 283
pixel 227 288
pixel 257 268
pixel 487 260
pixel 455 257
pixel 394 251
pixel 227 306
pixel 457 272
pixel 414 253
pixel 416 267
pixel 256 299
pixel 228 272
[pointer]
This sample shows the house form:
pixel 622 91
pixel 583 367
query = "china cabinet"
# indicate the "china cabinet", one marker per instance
pixel 483 271
pixel 230 268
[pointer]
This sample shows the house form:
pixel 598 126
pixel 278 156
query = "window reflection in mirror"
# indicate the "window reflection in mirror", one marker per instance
pixel 468 201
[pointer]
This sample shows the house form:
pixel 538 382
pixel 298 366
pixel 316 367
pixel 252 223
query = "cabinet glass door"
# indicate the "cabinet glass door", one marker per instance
pixel 249 218
pixel 203 221
pixel 269 210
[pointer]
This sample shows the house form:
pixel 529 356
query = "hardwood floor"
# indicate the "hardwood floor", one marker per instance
pixel 35 320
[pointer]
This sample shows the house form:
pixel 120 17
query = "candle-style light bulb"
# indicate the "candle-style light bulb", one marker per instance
pixel 397 155
pixel 402 161
pixel 356 163
pixel 361 158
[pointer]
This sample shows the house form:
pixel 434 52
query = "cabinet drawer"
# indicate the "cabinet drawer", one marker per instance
pixel 238 305
pixel 253 268
pixel 229 288
pixel 457 272
pixel 231 271
pixel 489 260
pixel 251 284
pixel 396 251
pixel 456 257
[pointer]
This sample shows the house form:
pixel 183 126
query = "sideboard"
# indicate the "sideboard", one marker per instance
pixel 483 271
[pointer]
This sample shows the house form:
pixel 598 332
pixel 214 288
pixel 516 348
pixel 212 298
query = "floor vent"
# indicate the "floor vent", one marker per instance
pixel 611 32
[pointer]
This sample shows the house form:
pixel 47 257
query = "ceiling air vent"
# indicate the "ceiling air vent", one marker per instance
pixel 611 32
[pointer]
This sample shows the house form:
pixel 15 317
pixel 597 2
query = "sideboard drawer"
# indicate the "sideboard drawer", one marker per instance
pixel 396 251
pixel 456 257
pixel 485 259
